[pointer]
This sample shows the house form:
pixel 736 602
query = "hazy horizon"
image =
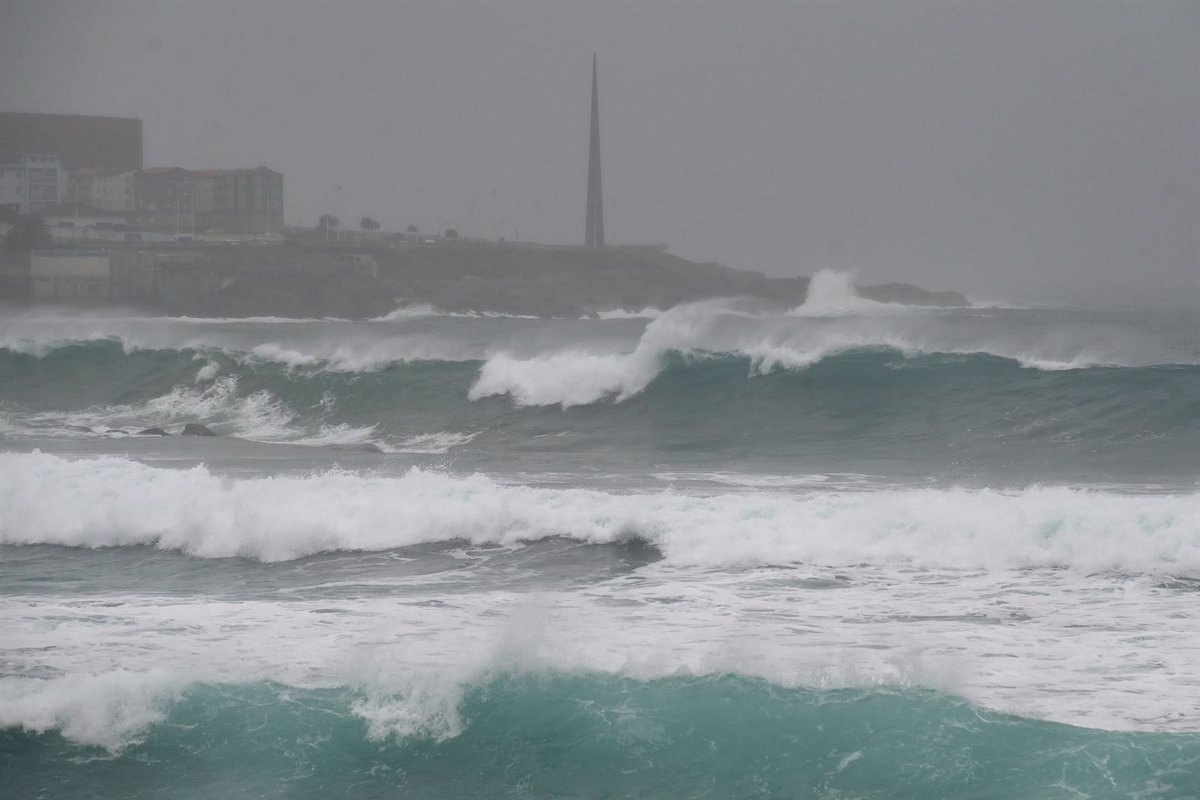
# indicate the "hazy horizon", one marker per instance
pixel 1017 151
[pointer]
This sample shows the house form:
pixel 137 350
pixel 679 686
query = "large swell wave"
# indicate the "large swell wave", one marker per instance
pixel 832 324
pixel 867 403
pixel 579 735
pixel 108 502
pixel 957 390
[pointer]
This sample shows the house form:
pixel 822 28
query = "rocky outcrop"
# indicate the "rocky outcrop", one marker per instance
pixel 194 429
pixel 910 295
pixel 539 280
pixel 153 432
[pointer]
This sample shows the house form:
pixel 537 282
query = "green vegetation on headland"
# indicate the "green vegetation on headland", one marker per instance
pixel 312 280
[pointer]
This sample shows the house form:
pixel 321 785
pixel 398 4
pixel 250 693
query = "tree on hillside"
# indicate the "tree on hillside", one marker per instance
pixel 451 233
pixel 27 233
pixel 369 224
pixel 328 221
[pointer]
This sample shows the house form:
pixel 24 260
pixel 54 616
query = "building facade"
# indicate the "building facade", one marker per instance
pixel 215 200
pixel 109 143
pixel 112 191
pixel 29 184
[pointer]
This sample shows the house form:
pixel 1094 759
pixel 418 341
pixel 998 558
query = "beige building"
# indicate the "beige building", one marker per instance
pixel 70 275
pixel 216 200
pixel 107 189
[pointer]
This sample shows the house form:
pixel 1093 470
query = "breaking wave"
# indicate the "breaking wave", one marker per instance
pixel 949 387
pixel 108 502
pixel 420 310
pixel 711 330
pixel 591 735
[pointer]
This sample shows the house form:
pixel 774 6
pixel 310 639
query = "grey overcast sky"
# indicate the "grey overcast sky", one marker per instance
pixel 1015 150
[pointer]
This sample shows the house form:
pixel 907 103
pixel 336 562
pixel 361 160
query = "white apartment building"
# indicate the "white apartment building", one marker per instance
pixel 31 183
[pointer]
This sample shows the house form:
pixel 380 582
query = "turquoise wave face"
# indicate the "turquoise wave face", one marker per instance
pixel 867 410
pixel 601 736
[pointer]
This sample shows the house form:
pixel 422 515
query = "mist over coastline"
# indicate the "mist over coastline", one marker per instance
pixel 528 399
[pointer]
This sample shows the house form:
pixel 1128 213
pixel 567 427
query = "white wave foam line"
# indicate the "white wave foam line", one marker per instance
pixel 794 342
pixel 40 337
pixel 420 310
pixel 249 320
pixel 572 378
pixel 649 312
pixel 341 434
pixel 365 356
pixel 438 443
pixel 110 501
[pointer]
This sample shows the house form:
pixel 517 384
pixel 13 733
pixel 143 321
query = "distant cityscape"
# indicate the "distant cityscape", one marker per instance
pixel 77 204
pixel 85 176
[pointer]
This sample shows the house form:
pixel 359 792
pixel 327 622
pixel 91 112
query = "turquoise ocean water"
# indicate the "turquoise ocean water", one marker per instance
pixel 852 551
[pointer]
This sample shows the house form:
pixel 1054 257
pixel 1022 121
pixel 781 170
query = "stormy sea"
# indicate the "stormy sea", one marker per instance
pixel 850 550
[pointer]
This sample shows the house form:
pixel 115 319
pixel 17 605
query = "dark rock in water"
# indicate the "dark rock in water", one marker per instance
pixel 80 428
pixel 192 429
pixel 153 432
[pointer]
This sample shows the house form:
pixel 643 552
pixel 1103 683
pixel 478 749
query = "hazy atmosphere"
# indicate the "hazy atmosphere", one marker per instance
pixel 599 400
pixel 1025 151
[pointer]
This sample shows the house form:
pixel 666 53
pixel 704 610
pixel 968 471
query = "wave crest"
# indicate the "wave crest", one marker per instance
pixel 111 501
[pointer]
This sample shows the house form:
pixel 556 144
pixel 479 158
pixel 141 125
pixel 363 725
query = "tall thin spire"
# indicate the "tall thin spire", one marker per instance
pixel 594 224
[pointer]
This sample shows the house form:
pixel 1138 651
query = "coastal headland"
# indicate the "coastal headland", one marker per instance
pixel 306 279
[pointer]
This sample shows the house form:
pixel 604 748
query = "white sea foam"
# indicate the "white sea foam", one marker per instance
pixel 418 310
pixel 566 379
pixel 649 312
pixel 212 400
pixel 432 443
pixel 108 710
pixel 111 501
pixel 208 372
pixel 413 652
pixel 216 401
pixel 368 355
pixel 578 378
pixel 566 365
pixel 317 344
pixel 834 322
pixel 832 294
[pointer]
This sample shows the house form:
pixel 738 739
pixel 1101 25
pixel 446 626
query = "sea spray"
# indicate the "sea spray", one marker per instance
pixel 833 294
pixel 109 501
pixel 842 551
pixel 600 736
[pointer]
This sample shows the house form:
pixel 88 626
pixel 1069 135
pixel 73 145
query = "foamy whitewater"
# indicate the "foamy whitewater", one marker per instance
pixel 854 550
